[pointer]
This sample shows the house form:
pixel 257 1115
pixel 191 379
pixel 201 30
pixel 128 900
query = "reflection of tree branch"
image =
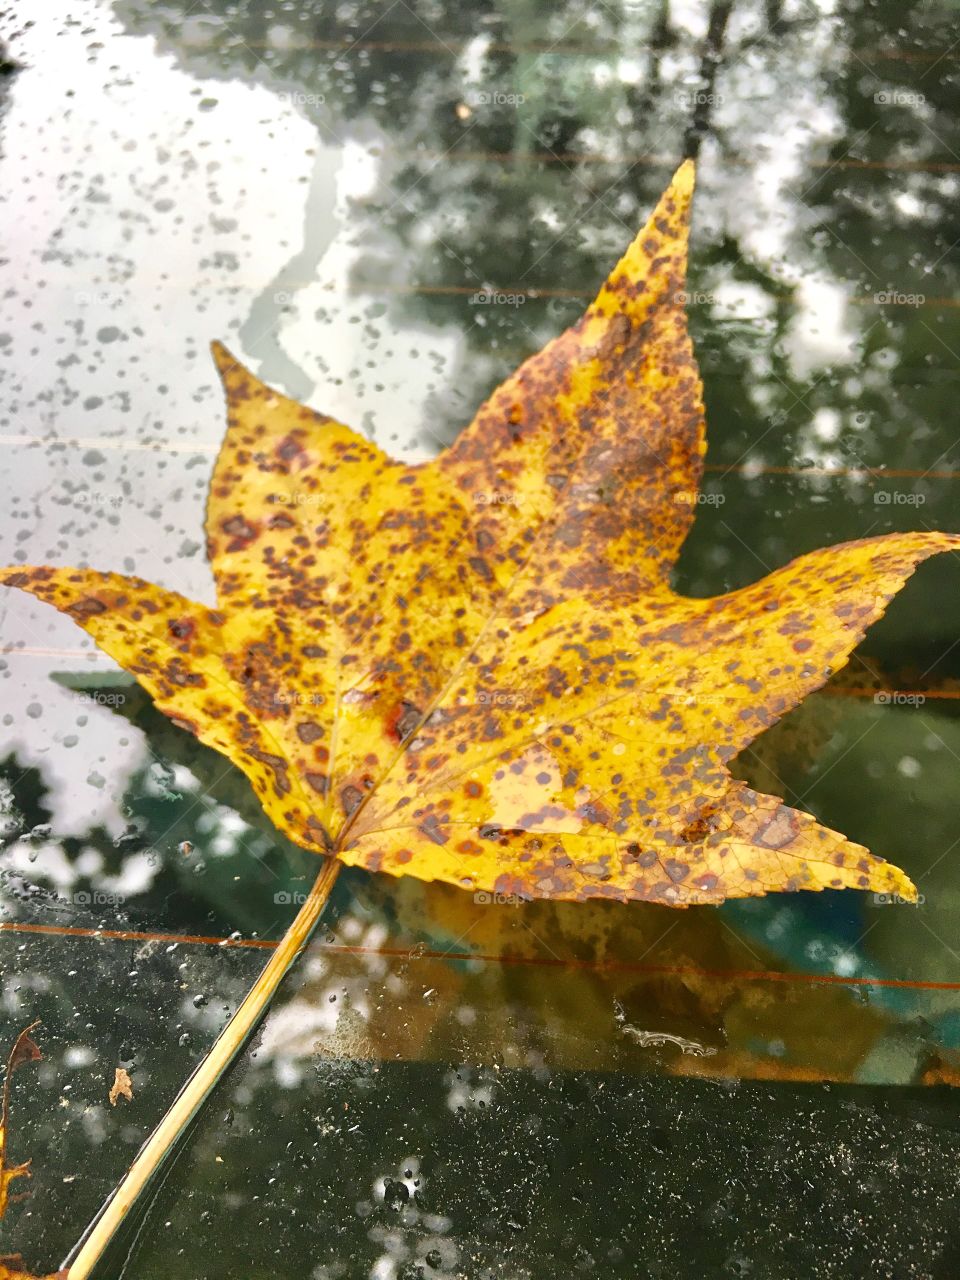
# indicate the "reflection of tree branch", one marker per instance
pixel 661 39
pixel 710 60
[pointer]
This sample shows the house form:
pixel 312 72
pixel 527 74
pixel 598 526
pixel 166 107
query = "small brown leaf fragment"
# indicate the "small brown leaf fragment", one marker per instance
pixel 11 1268
pixel 122 1086
pixel 24 1050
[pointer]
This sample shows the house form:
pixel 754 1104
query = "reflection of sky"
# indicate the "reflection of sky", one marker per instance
pixel 157 212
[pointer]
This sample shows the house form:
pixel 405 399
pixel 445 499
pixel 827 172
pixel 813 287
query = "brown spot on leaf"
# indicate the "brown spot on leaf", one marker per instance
pixel 88 607
pixel 430 827
pixel 239 528
pixel 781 830
pixel 181 628
pixel 351 798
pixel 406 720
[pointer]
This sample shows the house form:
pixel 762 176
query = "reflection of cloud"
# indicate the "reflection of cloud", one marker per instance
pixel 173 239
pixel 404 362
pixel 820 333
pixel 742 300
pixel 66 742
pixel 691 16
pixel 168 237
pixel 330 1014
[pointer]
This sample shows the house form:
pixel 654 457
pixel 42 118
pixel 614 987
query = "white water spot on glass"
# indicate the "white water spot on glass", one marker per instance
pixel 79 1055
pixel 826 425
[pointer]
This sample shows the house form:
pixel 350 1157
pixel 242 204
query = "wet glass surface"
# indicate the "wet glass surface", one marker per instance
pixel 383 209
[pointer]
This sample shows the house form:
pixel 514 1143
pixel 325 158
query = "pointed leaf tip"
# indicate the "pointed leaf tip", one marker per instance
pixel 906 889
pixel 223 358
pixel 685 177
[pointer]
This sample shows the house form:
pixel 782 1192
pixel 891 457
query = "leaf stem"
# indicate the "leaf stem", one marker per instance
pixel 198 1087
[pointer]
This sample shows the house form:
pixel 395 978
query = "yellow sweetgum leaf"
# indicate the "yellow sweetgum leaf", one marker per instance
pixel 475 669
